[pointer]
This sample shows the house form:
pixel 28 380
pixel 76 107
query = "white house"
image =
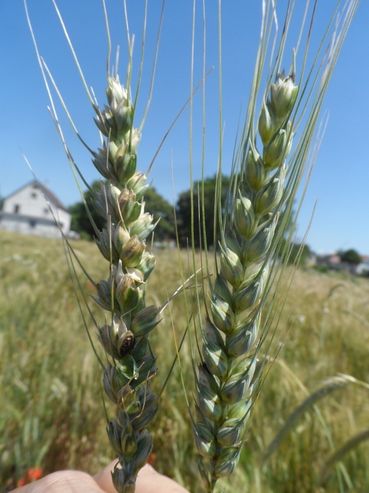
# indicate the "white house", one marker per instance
pixel 362 269
pixel 27 210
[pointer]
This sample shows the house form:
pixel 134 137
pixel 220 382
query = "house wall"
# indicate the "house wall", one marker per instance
pixel 28 201
pixel 27 211
pixel 362 269
pixel 64 219
pixel 19 223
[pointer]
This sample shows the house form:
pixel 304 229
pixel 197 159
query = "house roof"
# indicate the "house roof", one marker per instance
pixel 49 195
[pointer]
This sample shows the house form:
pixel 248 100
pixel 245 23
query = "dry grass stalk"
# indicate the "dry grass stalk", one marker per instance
pixel 330 385
pixel 351 444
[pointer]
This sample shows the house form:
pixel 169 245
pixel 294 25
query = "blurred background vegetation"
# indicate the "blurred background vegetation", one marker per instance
pixel 51 409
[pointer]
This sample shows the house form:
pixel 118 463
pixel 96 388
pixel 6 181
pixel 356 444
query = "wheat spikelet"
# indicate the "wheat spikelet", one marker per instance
pixel 122 242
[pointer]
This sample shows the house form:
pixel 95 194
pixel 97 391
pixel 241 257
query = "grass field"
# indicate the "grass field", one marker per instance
pixel 51 412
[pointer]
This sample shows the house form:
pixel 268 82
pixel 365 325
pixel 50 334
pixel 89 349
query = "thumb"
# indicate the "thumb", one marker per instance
pixel 148 481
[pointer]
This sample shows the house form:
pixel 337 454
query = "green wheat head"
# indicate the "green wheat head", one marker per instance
pixel 225 380
pixel 239 300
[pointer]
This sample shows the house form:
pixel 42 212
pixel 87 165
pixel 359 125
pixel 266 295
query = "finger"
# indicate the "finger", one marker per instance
pixel 104 480
pixel 63 482
pixel 148 481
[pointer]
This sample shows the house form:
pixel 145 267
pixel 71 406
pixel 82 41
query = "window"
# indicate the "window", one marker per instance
pixel 46 210
pixel 33 195
pixel 32 223
pixel 16 208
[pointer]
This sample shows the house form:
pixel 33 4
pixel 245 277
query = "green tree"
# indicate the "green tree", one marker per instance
pixel 299 253
pixel 183 211
pixel 350 256
pixel 162 211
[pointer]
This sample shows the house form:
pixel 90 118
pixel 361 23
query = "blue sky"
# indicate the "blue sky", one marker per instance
pixel 340 181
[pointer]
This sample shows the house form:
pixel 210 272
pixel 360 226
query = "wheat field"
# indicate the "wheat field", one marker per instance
pixel 51 412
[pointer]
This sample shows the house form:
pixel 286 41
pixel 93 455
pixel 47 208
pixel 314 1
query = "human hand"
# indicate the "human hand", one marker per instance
pixel 148 481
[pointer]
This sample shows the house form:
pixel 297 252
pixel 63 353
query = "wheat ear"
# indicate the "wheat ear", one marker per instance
pixel 225 380
pixel 131 363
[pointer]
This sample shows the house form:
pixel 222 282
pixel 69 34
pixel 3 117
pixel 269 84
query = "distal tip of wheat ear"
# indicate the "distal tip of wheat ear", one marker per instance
pixel 130 360
pixel 226 376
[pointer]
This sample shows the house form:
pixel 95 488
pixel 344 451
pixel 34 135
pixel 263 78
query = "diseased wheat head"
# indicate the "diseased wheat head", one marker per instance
pixel 131 363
